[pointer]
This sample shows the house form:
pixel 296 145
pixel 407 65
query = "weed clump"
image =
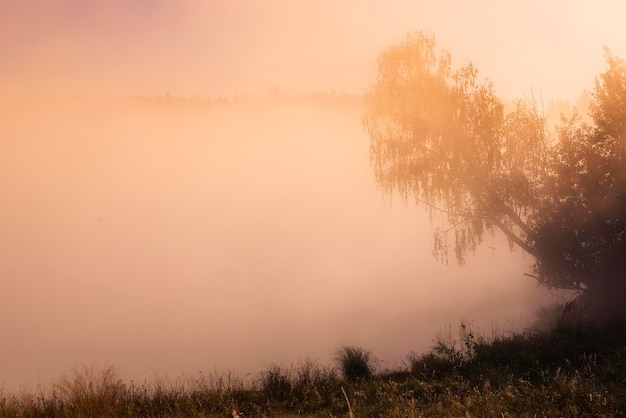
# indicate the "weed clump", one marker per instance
pixel 355 362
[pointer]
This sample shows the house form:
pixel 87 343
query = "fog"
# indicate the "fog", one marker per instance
pixel 169 239
pixel 172 240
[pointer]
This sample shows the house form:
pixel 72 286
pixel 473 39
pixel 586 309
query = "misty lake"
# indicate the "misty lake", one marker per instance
pixel 169 240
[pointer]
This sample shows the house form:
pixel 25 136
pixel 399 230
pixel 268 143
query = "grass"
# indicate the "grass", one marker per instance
pixel 569 369
pixel 355 362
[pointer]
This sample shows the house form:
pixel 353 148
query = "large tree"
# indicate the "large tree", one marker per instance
pixel 440 135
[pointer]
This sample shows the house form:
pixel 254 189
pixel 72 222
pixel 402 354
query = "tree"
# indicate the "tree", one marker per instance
pixel 442 137
pixel 580 225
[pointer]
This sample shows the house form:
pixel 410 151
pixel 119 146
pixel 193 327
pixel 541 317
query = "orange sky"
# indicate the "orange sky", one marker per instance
pixel 214 47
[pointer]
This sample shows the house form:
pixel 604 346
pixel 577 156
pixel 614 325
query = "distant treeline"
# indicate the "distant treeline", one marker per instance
pixel 554 111
pixel 197 102
pixel 272 96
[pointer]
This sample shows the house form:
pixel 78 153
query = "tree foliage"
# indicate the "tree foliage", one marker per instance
pixel 580 225
pixel 440 135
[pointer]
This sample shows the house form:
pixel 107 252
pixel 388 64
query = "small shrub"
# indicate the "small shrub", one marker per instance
pixel 354 362
pixel 432 365
pixel 558 315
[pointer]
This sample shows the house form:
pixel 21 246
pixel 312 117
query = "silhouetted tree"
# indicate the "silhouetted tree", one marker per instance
pixel 580 226
pixel 442 137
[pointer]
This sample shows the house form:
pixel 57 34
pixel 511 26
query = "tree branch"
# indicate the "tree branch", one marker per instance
pixel 507 211
pixel 506 230
pixel 517 240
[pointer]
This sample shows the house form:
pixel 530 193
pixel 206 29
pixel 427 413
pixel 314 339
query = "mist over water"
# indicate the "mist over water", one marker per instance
pixel 174 240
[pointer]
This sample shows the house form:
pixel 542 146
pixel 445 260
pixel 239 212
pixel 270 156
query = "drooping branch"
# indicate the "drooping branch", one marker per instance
pixel 513 237
pixel 511 214
pixel 448 212
pixel 499 224
pixel 488 207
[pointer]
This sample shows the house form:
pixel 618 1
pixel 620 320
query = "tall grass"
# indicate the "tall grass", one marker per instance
pixel 89 391
pixel 571 369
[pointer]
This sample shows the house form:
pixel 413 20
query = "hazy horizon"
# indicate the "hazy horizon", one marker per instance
pixel 226 238
pixel 178 240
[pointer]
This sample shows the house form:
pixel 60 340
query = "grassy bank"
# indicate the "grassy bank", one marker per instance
pixel 569 370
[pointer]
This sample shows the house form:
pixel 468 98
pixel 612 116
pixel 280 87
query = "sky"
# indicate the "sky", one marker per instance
pixel 549 49
pixel 170 241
